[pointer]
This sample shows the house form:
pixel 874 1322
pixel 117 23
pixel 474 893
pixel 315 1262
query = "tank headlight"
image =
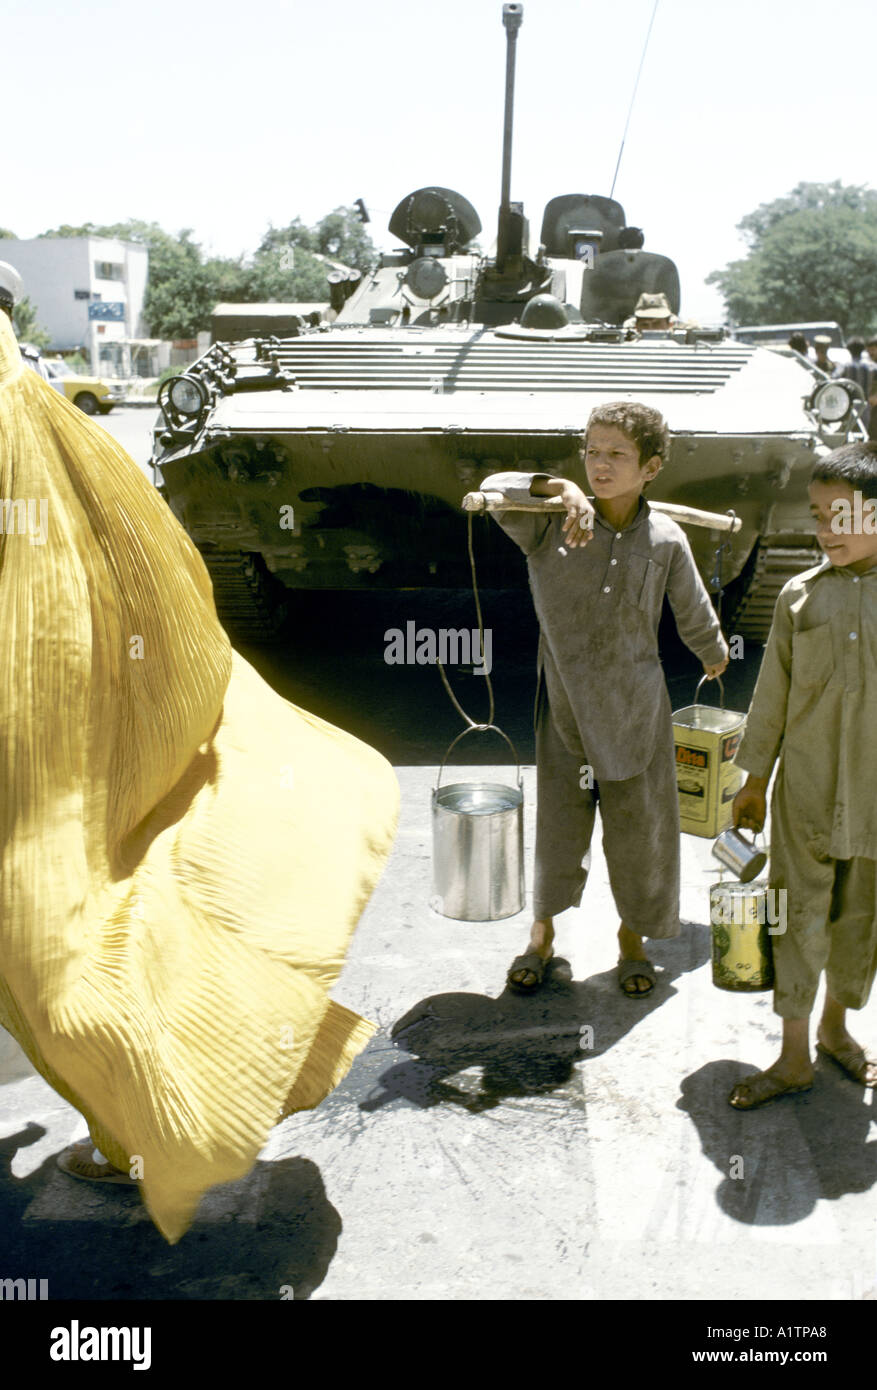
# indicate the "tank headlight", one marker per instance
pixel 832 402
pixel 187 395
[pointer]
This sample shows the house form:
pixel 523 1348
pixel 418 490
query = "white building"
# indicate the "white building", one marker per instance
pixel 64 276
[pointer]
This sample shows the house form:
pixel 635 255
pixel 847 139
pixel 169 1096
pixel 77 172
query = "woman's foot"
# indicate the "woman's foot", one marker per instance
pixel 784 1078
pixel 78 1160
pixel 542 945
pixel 849 1055
pixel 630 944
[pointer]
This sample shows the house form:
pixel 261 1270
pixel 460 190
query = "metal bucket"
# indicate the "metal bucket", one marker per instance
pixel 742 956
pixel 478 845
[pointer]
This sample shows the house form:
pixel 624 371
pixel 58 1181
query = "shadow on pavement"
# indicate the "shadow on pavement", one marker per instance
pixel 102 1243
pixel 795 1150
pixel 526 1045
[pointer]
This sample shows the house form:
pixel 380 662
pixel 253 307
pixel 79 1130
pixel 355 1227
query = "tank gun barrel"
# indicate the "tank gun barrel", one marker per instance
pixel 512 18
pixel 510 234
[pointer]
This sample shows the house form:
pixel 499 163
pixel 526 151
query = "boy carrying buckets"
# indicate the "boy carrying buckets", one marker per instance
pixel 598 576
pixel 815 706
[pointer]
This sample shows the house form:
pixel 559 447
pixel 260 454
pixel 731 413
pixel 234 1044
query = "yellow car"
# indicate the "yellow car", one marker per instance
pixel 90 393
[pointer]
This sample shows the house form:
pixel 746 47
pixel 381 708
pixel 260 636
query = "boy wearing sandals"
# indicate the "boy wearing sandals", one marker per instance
pixel 815 705
pixel 598 575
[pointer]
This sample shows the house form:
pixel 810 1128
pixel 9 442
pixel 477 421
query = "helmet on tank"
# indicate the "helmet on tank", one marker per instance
pixel 544 311
pixel 11 285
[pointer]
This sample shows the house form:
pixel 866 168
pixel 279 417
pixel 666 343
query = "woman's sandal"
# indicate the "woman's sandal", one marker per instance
pixel 78 1162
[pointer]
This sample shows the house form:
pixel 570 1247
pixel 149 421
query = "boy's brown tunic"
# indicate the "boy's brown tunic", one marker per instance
pixel 815 707
pixel 600 675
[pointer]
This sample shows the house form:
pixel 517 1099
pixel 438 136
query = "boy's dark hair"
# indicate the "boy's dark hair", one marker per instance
pixel 644 427
pixel 855 464
pixel 798 343
pixel 855 347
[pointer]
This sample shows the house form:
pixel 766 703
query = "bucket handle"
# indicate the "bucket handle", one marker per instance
pixel 711 678
pixel 480 729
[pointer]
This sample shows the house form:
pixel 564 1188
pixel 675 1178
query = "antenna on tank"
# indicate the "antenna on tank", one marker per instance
pixel 633 98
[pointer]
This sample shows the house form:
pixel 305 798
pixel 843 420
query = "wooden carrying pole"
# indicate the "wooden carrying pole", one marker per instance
pixel 690 516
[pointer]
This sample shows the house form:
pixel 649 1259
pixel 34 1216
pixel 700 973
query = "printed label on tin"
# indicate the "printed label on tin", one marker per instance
pixel 730 746
pixel 692 780
pixel 692 757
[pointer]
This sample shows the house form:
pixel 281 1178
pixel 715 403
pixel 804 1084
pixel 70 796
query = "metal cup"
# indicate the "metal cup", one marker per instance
pixel 738 855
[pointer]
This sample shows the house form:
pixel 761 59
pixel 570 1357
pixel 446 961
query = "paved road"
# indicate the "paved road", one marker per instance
pixel 132 426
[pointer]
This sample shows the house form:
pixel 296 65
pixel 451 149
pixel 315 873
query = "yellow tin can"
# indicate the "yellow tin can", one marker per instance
pixel 741 918
pixel 707 779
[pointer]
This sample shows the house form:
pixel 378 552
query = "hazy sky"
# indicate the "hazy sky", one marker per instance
pixel 225 116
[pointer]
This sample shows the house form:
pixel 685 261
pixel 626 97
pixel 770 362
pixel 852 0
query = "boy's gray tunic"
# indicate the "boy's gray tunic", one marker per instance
pixel 599 670
pixel 815 707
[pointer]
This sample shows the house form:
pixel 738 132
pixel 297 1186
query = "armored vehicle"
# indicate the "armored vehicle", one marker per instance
pixel 337 455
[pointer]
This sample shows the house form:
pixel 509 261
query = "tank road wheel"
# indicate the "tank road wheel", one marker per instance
pixel 87 401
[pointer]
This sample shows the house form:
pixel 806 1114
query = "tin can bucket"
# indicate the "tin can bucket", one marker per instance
pixel 742 956
pixel 707 778
pixel 478 845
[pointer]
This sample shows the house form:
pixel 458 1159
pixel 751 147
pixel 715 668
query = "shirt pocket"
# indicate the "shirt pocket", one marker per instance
pixel 813 660
pixel 641 582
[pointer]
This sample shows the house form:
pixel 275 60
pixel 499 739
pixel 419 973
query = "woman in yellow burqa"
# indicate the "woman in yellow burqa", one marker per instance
pixel 184 855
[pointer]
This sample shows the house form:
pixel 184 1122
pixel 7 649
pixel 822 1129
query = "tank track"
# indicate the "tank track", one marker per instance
pixel 249 601
pixel 775 565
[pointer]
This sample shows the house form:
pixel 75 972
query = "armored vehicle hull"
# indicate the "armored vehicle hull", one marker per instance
pixel 349 472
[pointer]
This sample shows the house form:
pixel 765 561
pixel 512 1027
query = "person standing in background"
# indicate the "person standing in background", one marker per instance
pixel 863 372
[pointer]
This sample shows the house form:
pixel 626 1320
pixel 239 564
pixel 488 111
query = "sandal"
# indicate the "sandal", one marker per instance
pixel 760 1089
pixel 78 1162
pixel 532 962
pixel 854 1061
pixel 627 969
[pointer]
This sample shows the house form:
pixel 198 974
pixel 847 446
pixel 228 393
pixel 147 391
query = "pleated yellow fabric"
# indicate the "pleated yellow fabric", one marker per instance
pixel 184 855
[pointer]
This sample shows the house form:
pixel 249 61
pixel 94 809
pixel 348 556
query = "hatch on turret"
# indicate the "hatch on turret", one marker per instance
pixel 435 221
pixel 590 228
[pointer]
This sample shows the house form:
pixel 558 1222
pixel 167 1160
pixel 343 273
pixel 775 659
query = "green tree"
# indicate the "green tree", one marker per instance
pixel 6 235
pixel 180 292
pixel 285 268
pixel 286 276
pixel 27 329
pixel 811 256
pixel 295 234
pixel 341 235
